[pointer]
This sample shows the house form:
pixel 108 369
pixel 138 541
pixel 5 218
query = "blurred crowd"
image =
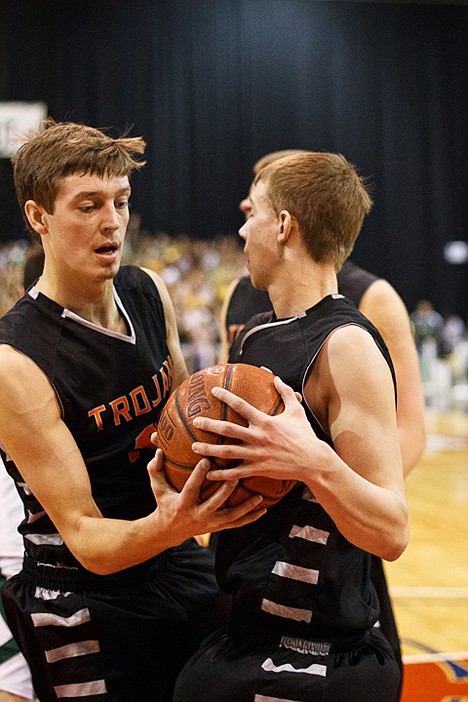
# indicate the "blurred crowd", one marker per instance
pixel 198 274
pixel 442 343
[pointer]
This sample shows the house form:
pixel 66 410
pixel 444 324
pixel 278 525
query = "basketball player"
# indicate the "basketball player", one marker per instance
pixel 383 306
pixel 112 586
pixel 377 300
pixel 15 677
pixel 302 625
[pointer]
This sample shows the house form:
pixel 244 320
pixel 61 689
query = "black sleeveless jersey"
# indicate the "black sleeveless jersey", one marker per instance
pixel 246 301
pixel 292 570
pixel 111 388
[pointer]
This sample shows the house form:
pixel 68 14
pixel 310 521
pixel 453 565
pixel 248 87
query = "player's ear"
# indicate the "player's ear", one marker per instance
pixel 286 222
pixel 36 216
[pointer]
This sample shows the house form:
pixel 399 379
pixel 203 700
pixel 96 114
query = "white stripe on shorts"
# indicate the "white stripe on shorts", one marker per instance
pixel 42 593
pixel 23 486
pixel 287 570
pixel 81 648
pixel 33 517
pixel 94 687
pixel 47 539
pixel 310 533
pixel 299 615
pixel 314 669
pixel 47 619
pixel 262 698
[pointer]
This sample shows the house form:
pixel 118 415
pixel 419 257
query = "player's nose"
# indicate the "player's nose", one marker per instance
pixel 110 219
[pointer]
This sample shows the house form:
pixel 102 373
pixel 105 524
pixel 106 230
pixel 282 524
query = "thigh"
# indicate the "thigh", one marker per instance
pixel 367 673
pixel 224 671
pixel 14 672
pixel 127 647
pixel 227 670
pixel 220 670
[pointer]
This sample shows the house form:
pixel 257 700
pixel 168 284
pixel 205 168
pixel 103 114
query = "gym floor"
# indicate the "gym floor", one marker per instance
pixel 429 583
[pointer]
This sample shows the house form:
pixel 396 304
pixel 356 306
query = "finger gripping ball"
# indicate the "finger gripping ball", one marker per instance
pixel 193 398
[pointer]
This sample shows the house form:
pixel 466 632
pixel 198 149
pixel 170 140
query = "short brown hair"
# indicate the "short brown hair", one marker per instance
pixel 326 196
pixel 273 156
pixel 61 149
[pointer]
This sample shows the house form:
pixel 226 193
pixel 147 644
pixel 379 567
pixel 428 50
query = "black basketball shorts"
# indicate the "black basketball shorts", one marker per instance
pixel 124 643
pixel 230 669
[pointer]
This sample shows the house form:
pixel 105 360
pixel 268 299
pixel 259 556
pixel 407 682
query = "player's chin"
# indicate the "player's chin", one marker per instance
pixel 109 270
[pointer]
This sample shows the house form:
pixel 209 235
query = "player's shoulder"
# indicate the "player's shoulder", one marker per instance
pixel 354 357
pixel 351 339
pixel 17 370
pixel 382 303
pixel 154 277
pixel 354 281
pixel 135 281
pixel 133 276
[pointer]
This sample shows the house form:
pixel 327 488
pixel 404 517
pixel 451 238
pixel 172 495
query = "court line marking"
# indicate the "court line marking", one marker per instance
pixel 430 657
pixel 417 592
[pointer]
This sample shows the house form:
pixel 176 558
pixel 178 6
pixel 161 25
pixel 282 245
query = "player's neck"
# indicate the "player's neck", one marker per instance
pixel 96 303
pixel 296 291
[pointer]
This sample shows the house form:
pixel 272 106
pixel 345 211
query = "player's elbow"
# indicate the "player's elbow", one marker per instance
pixel 98 566
pixel 92 562
pixel 395 550
pixel 91 552
pixel 394 546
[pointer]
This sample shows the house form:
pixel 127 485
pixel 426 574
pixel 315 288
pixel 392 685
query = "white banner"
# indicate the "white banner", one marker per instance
pixel 16 120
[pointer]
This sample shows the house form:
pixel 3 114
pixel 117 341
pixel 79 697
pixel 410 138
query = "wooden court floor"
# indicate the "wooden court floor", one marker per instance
pixel 429 583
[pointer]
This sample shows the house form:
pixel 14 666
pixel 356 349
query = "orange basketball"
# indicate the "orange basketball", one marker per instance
pixel 193 398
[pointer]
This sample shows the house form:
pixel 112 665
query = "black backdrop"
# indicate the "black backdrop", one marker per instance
pixel 214 84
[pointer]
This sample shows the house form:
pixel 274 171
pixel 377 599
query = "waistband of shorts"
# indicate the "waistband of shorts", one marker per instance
pixel 77 579
pixel 290 634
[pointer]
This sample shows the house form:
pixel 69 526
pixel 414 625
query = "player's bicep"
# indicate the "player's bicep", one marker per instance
pixel 37 440
pixel 361 409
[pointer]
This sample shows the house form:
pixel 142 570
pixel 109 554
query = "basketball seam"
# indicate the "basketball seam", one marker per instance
pixel 227 385
pixel 279 406
pixel 179 465
pixel 182 418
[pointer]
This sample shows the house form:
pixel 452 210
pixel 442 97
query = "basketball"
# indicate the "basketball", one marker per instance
pixel 193 398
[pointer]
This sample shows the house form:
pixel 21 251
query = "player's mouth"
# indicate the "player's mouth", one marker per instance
pixel 108 251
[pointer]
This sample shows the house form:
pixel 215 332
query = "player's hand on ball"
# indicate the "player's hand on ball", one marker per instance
pixel 272 446
pixel 186 513
pixel 178 428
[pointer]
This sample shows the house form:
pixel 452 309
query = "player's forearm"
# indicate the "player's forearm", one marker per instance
pixel 106 546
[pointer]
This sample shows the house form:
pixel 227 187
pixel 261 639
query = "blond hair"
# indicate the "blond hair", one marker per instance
pixel 273 156
pixel 326 196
